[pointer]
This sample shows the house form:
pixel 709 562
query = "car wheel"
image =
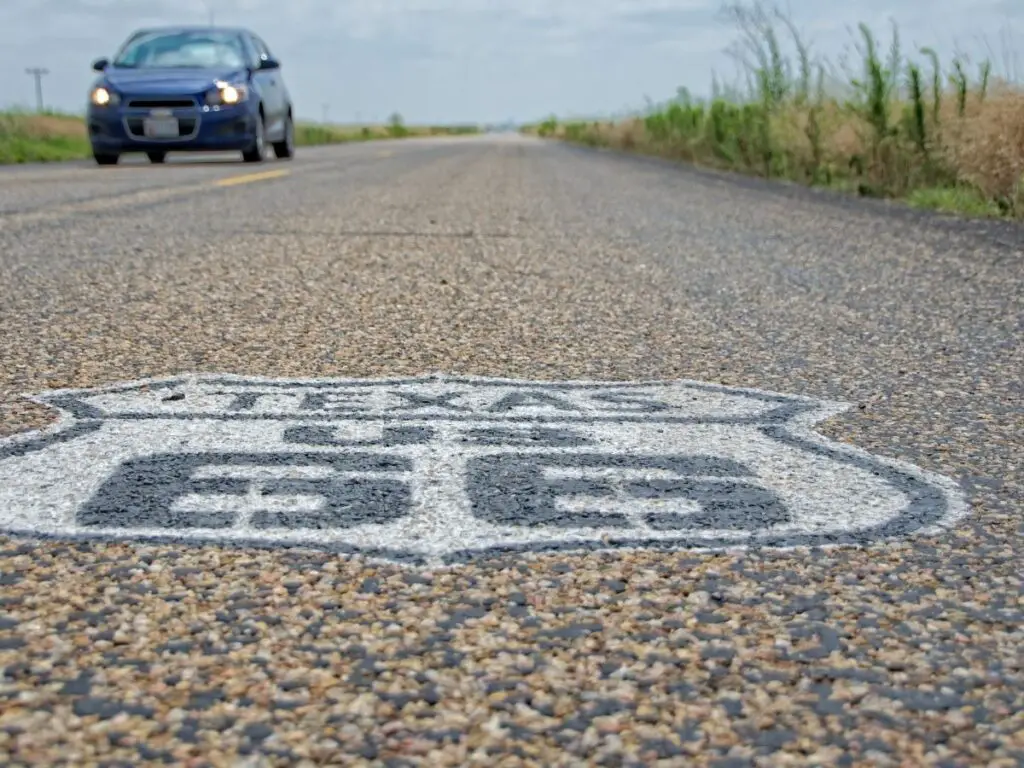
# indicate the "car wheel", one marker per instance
pixel 258 152
pixel 156 157
pixel 103 158
pixel 285 149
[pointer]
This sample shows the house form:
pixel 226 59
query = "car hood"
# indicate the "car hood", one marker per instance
pixel 167 80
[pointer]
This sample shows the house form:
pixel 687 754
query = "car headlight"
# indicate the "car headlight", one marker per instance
pixel 227 94
pixel 103 97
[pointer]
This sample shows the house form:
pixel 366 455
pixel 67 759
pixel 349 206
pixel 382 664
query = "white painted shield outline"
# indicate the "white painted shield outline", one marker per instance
pixel 937 503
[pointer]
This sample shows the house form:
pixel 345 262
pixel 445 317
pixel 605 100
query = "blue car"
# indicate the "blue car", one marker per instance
pixel 190 89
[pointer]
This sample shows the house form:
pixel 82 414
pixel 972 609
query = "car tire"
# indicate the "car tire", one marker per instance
pixel 258 151
pixel 105 158
pixel 285 149
pixel 156 157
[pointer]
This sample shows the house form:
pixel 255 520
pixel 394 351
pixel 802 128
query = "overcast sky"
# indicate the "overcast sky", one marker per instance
pixel 474 60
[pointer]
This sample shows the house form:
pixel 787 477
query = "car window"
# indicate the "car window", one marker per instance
pixel 262 50
pixel 252 58
pixel 182 49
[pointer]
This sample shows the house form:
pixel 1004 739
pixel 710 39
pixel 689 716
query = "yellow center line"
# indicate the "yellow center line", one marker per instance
pixel 112 202
pixel 249 177
pixel 128 199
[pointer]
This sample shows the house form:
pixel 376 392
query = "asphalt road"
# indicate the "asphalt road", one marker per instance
pixel 516 259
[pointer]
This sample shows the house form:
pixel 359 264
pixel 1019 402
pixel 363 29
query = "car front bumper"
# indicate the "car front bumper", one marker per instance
pixel 200 129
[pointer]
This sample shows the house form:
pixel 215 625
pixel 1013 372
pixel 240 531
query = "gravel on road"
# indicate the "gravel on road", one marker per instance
pixel 519 259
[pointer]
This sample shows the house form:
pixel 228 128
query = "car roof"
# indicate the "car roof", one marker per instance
pixel 191 28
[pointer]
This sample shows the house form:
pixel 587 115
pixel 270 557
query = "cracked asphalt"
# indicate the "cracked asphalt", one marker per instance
pixel 514 258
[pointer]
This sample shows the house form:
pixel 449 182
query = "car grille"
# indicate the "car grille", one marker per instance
pixel 186 127
pixel 172 102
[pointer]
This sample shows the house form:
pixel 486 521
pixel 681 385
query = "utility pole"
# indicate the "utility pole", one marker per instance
pixel 37 73
pixel 209 9
pixel 325 106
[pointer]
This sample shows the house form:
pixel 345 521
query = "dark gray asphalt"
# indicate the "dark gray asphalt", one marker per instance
pixel 512 258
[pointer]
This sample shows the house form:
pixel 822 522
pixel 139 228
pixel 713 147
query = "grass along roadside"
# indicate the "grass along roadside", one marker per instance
pixel 27 137
pixel 947 137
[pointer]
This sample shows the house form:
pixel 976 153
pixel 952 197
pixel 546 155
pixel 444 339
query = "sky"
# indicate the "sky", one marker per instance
pixel 480 61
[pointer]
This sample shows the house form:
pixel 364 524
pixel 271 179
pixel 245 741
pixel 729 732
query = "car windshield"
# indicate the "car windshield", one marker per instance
pixel 195 50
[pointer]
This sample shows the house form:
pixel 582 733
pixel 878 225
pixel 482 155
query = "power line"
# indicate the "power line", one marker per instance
pixel 37 73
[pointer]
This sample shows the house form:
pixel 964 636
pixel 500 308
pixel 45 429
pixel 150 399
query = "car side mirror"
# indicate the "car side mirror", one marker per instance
pixel 269 63
pixel 100 64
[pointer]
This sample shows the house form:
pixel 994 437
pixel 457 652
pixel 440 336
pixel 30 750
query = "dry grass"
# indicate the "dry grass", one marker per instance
pixel 26 138
pixel 49 126
pixel 983 149
pixel 937 137
pixel 986 146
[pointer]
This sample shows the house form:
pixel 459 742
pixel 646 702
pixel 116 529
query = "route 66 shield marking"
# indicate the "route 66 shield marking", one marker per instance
pixel 442 469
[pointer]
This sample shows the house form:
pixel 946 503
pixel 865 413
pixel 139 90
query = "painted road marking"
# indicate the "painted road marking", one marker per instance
pixel 442 469
pixel 249 178
pixel 385 153
pixel 98 204
pixel 46 176
pixel 138 197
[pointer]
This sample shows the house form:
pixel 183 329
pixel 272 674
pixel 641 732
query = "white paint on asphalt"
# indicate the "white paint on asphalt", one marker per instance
pixel 439 469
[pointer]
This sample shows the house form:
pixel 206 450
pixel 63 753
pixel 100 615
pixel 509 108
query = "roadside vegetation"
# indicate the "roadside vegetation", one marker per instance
pixel 29 137
pixel 942 135
pixel 313 133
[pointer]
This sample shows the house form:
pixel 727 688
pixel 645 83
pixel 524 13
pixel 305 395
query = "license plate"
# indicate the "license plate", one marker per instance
pixel 160 127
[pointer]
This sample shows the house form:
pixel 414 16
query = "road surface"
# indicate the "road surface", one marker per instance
pixel 536 264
